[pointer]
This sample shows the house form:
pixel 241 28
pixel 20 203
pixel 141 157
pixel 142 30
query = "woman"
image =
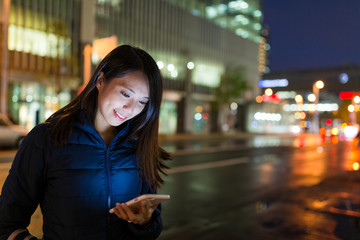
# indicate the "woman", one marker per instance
pixel 97 152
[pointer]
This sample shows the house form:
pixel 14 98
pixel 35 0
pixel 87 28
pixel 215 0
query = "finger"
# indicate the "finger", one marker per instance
pixel 148 207
pixel 129 213
pixel 147 210
pixel 120 212
pixel 137 217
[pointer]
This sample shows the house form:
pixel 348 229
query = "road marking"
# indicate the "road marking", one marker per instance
pixel 181 152
pixel 201 166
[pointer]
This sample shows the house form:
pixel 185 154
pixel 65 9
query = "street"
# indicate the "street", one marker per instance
pixel 218 189
pixel 220 186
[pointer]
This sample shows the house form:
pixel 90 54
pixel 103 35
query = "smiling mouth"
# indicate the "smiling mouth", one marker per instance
pixel 119 116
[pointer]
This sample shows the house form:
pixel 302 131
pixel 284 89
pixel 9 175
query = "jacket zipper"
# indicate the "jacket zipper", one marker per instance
pixel 108 176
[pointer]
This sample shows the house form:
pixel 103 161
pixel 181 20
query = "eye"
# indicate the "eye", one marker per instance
pixel 124 94
pixel 143 102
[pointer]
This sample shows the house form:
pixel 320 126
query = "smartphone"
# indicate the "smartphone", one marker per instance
pixel 153 199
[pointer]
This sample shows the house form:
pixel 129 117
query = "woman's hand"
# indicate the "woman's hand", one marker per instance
pixel 140 215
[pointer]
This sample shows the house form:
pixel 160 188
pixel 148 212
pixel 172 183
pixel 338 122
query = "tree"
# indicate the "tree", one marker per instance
pixel 232 85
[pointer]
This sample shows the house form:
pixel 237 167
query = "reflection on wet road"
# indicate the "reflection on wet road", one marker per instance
pixel 217 185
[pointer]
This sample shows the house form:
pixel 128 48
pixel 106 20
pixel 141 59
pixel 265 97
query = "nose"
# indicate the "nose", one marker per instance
pixel 129 106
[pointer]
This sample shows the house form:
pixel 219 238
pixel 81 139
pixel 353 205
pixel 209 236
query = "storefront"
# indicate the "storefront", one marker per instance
pixel 269 118
pixel 201 117
pixel 168 117
pixel 32 103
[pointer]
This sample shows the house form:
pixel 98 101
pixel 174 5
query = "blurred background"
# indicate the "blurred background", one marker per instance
pixel 260 99
pixel 49 49
pixel 215 57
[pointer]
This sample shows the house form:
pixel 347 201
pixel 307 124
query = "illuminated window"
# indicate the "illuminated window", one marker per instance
pixel 37 42
pixel 207 75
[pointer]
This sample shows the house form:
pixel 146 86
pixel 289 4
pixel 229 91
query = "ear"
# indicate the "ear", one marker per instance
pixel 100 80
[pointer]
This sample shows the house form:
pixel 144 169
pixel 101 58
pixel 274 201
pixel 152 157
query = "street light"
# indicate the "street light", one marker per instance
pixel 316 88
pixel 357 99
pixel 353 108
pixel 319 84
pixel 268 92
pixel 298 99
pixel 311 97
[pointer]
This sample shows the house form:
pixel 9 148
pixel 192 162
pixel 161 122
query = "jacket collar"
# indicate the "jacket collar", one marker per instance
pixel 84 123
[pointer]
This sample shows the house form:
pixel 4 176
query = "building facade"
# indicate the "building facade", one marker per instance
pixel 41 64
pixel 193 43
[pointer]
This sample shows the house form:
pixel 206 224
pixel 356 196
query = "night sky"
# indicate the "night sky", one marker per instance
pixel 312 33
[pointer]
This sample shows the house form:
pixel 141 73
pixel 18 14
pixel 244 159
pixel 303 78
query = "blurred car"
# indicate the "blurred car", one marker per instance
pixel 11 135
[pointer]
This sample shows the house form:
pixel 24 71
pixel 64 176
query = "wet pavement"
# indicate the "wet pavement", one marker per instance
pixel 328 210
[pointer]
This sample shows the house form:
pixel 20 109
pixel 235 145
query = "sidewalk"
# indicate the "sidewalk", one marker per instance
pixel 199 136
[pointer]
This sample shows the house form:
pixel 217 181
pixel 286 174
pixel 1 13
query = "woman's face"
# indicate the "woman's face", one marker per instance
pixel 120 99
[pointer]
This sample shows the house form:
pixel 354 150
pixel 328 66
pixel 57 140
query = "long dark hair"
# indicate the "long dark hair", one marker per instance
pixel 143 128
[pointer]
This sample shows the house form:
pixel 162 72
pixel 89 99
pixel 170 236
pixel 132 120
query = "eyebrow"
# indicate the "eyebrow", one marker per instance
pixel 132 90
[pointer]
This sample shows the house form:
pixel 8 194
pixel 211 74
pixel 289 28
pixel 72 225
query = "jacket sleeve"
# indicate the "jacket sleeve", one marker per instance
pixel 23 187
pixel 154 228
